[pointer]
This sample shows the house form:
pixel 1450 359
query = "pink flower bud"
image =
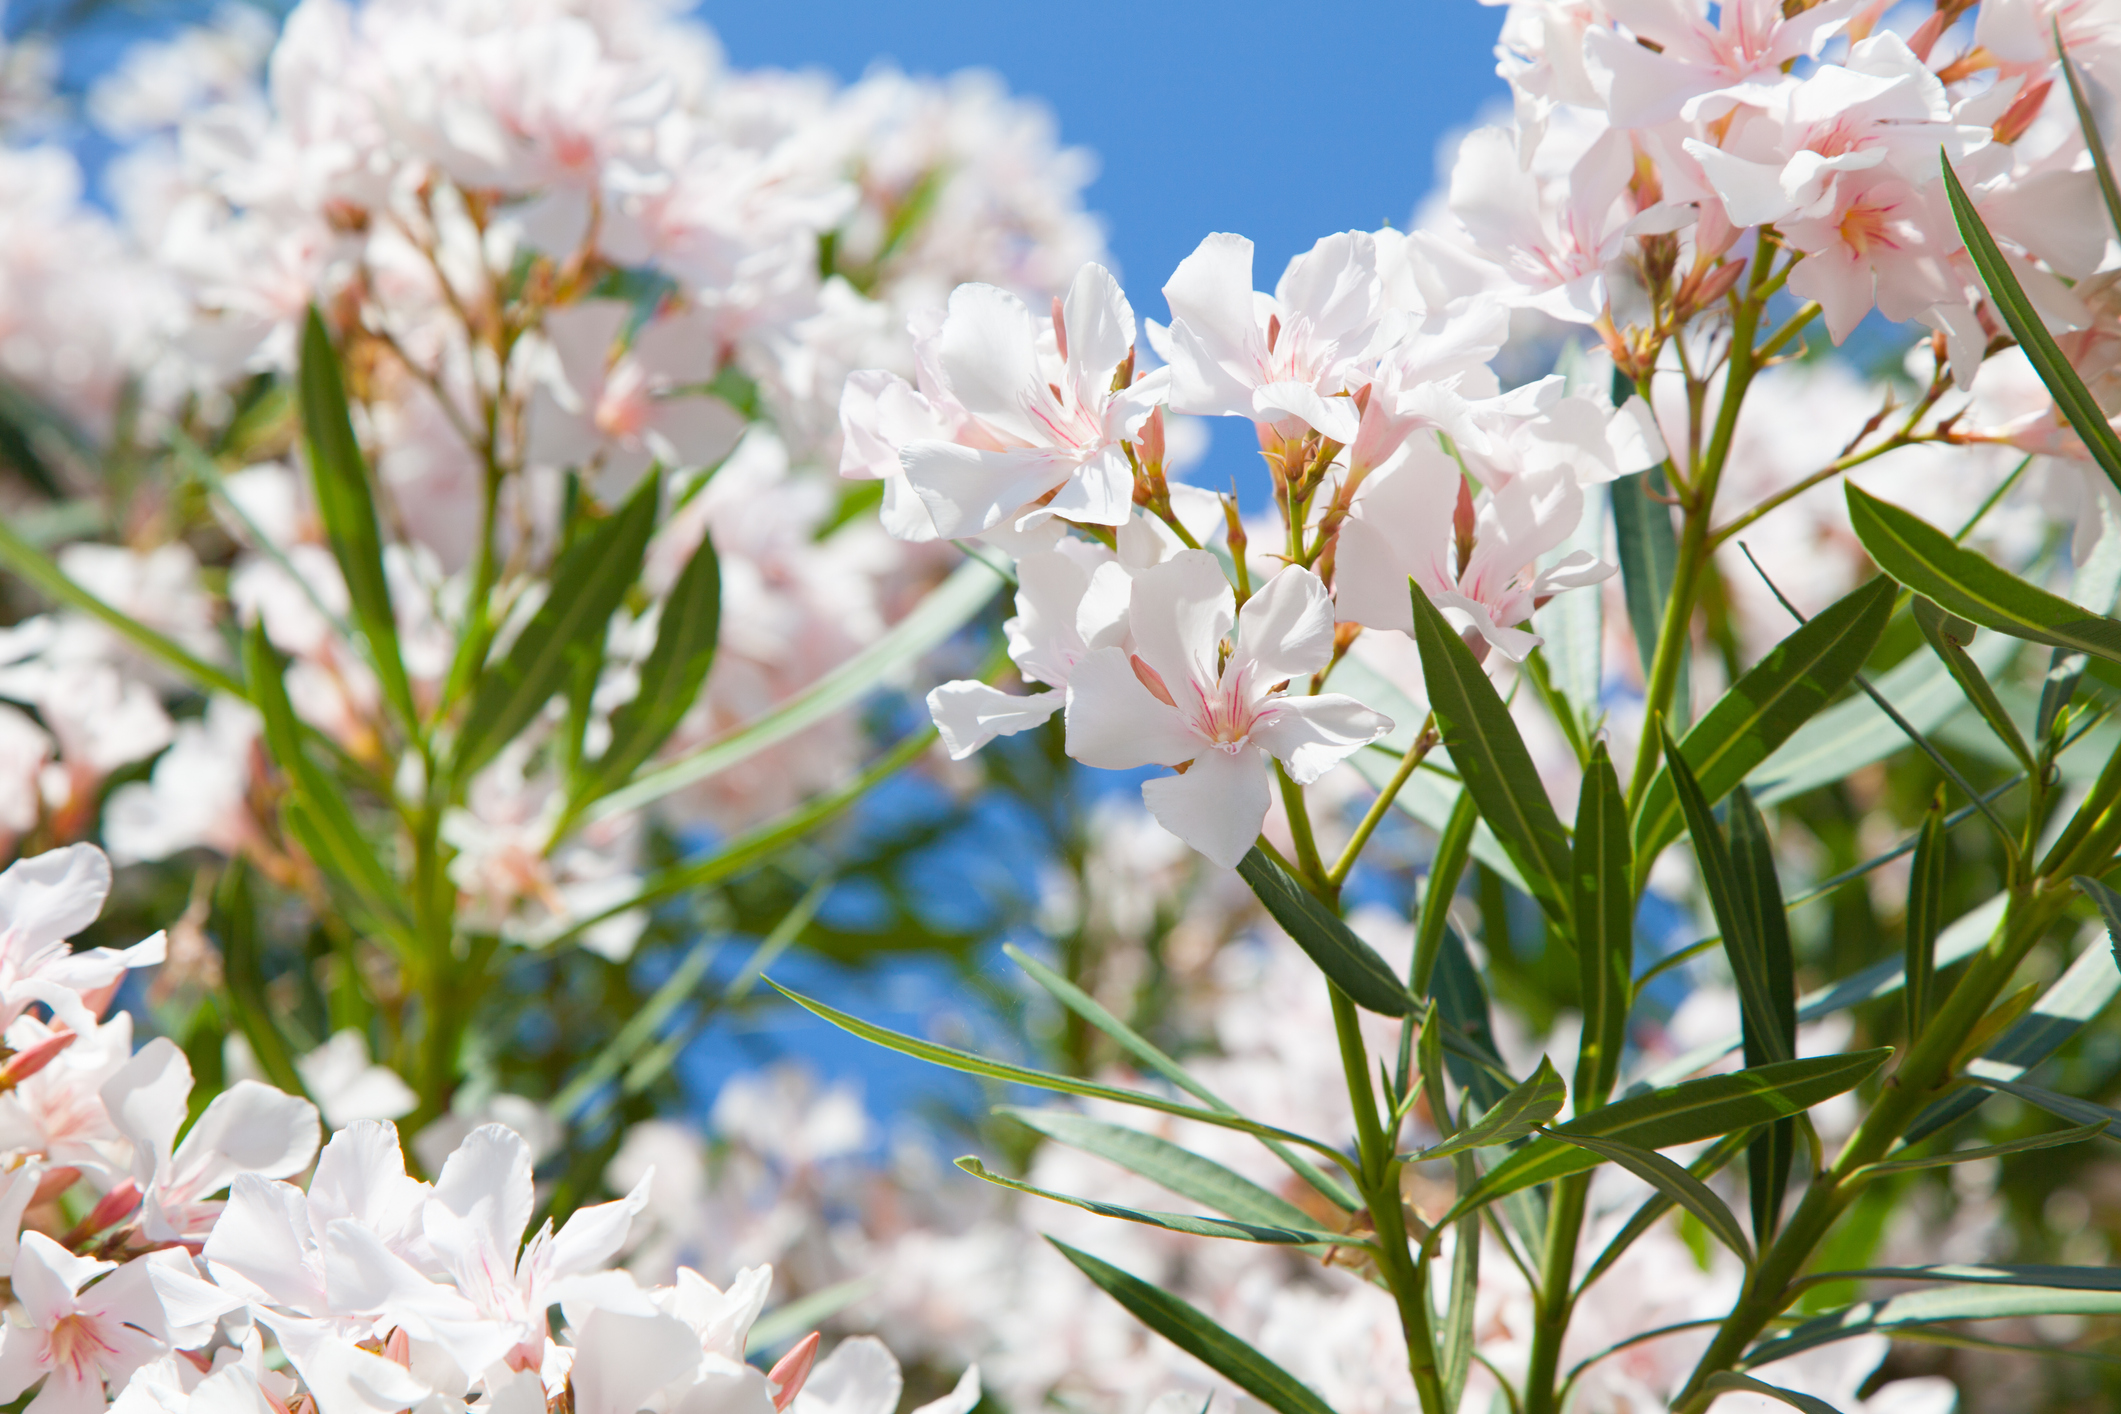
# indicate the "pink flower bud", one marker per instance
pixel 789 1372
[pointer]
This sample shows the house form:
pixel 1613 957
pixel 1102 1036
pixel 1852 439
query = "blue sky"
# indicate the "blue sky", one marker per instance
pixel 1281 122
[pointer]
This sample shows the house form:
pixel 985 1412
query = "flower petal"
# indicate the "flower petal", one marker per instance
pixel 1286 628
pixel 1312 735
pixel 971 714
pixel 1217 806
pixel 1115 724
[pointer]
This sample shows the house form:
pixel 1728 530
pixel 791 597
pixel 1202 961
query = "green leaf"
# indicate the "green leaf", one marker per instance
pixel 1966 583
pixel 1200 1337
pixel 1924 1308
pixel 1604 912
pixel 1187 1223
pixel 2052 1278
pixel 1948 636
pixel 1855 732
pixel 2069 1107
pixel 1649 558
pixel 671 678
pixel 1485 746
pixel 1446 867
pixel 588 586
pixel 2089 126
pixel 1674 1182
pixel 1730 1382
pixel 1707 1165
pixel 235 922
pixel 2109 905
pixel 953 1059
pixel 1161 1162
pixel 1965 937
pixel 315 807
pixel 1462 1002
pixel 38 570
pixel 1533 1103
pixel 1686 1113
pixel 2053 1139
pixel 1765 707
pixel 1925 918
pixel 1755 975
pixel 1348 962
pixel 2071 396
pixel 339 477
pixel 1138 1046
pixel 1769 1159
pixel 948 608
pixel 2084 990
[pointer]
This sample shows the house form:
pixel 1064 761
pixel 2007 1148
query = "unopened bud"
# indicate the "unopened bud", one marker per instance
pixel 30 1059
pixel 788 1373
pixel 113 1208
pixel 1060 329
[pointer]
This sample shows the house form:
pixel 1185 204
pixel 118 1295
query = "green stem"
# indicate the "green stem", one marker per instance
pixel 1555 1299
pixel 1424 740
pixel 1379 1182
pixel 1920 1079
pixel 1307 857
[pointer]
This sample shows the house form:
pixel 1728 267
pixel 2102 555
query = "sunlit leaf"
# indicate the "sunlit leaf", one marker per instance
pixel 1200 1337
pixel 1604 913
pixel 1534 1102
pixel 1675 1183
pixel 1191 1225
pixel 1350 963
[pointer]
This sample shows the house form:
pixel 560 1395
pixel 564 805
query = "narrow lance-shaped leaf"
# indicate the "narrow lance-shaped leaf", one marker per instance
pixel 951 1058
pixel 1348 962
pixel 1491 757
pixel 1649 558
pixel 1764 1032
pixel 1925 918
pixel 1710 1162
pixel 1533 1103
pixel 1760 897
pixel 1686 1113
pixel 1675 1183
pixel 1191 1225
pixel 1966 583
pixel 1968 1302
pixel 2053 1139
pixel 1767 704
pixel 2109 905
pixel 1604 913
pixel 671 677
pixel 588 585
pixel 1200 1337
pixel 1462 1002
pixel 1730 1382
pixel 2077 1112
pixel 1948 636
pixel 346 504
pixel 1138 1046
pixel 2094 143
pixel 2071 396
pixel 1161 1162
pixel 2083 990
pixel 1454 843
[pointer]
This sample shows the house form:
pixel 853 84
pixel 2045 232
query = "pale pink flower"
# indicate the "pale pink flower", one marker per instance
pixel 1178 699
pixel 1553 234
pixel 1290 360
pixel 1701 66
pixel 78 1337
pixel 44 900
pixel 1044 400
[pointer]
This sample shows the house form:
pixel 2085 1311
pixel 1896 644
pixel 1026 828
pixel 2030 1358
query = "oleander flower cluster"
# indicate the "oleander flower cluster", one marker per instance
pixel 136 1284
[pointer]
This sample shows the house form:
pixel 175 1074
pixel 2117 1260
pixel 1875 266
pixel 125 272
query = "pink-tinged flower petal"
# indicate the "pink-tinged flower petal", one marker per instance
pixel 361 1175
pixel 1285 629
pixel 967 490
pixel 1334 417
pixel 54 895
pixel 343 1378
pixel 694 431
pixel 589 1240
pixel 971 714
pixel 1099 491
pixel 1333 284
pixel 21 1359
pixel 860 1376
pixel 1217 806
pixel 1369 581
pixel 1201 383
pixel 1100 326
pixel 1312 735
pixel 1211 294
pixel 487 1181
pixel 988 352
pixel 1181 610
pixel 1116 725
pixel 67 1391
pixel 620 1361
pixel 262 1242
pixel 189 1306
pixel 963 1397
pixel 47 1276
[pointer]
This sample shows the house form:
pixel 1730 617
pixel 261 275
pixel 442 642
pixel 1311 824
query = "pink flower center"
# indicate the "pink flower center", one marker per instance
pixel 625 406
pixel 73 1341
